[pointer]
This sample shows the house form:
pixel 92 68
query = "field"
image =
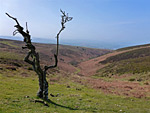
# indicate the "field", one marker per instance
pixel 18 95
pixel 86 81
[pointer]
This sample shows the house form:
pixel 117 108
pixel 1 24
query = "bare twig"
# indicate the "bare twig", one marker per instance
pixel 27 31
pixel 65 18
pixel 13 18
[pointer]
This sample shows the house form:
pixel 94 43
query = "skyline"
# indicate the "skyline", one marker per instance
pixel 101 21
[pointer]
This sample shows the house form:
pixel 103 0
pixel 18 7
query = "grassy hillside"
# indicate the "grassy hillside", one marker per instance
pixel 69 56
pixel 18 95
pixel 137 53
pixel 134 62
pixel 69 92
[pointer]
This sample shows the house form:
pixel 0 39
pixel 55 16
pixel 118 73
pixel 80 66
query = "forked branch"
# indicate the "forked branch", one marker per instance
pixel 64 18
pixel 24 34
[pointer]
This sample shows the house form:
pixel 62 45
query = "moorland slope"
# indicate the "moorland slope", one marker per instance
pixel 86 80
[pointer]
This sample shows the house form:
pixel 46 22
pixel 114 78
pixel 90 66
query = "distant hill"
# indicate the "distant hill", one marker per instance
pixel 69 56
pixel 133 60
pixel 90 43
pixel 122 72
pixel 133 47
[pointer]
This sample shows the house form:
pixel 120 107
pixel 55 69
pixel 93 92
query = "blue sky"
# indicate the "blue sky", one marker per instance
pixel 124 22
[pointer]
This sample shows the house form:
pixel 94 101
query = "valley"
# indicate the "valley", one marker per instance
pixel 86 79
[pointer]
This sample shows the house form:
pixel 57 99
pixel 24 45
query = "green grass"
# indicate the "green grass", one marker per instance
pixel 77 98
pixel 14 89
pixel 77 71
pixel 135 62
pixel 11 55
pixel 128 55
pixel 9 44
pixel 139 66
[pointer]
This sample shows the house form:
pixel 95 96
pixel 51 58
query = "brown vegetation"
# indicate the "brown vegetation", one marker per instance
pixel 77 61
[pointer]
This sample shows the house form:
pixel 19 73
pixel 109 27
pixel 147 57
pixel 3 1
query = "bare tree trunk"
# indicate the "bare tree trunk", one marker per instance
pixel 35 62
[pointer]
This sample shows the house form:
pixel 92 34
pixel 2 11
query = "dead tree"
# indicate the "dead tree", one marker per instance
pixel 34 56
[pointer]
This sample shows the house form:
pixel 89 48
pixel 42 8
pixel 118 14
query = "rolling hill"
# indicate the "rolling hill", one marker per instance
pixel 69 56
pixel 86 80
pixel 125 71
pixel 130 60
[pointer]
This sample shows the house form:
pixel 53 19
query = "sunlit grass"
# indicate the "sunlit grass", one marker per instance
pixel 10 55
pixel 9 44
pixel 75 98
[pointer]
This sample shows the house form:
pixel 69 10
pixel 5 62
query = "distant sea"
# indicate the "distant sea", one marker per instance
pixel 82 43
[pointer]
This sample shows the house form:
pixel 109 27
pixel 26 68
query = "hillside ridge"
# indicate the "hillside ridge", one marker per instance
pixel 119 74
pixel 90 67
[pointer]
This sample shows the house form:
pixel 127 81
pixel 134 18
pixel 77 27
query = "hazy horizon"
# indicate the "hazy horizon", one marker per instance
pixel 96 23
pixel 92 44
